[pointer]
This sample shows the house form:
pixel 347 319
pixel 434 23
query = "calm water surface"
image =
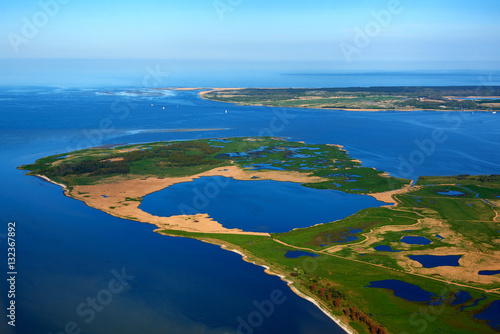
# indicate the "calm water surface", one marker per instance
pixel 258 205
pixel 66 251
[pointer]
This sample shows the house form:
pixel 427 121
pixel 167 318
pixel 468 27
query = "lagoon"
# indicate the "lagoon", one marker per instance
pixel 257 205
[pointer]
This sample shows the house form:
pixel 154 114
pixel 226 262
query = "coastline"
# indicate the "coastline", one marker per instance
pixel 122 197
pixel 245 258
pixel 43 177
pixel 204 92
pixel 292 287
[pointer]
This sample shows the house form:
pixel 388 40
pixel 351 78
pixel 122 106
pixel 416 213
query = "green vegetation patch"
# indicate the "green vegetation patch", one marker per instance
pixel 378 98
pixel 173 159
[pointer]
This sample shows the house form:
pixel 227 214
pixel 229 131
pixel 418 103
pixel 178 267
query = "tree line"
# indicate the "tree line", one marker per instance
pixel 178 154
pixel 336 299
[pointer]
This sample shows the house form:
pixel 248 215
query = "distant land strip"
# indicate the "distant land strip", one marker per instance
pixel 448 98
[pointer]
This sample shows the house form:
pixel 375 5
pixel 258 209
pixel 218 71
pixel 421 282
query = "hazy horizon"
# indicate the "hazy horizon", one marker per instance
pixel 238 35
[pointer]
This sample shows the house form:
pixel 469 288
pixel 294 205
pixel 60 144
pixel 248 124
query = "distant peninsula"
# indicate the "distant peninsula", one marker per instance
pixel 453 98
pixel 409 266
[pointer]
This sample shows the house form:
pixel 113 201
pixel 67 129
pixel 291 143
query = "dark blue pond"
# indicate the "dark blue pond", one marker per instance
pixel 491 315
pixel 297 253
pixel 438 236
pixel 415 240
pixel 407 291
pixel 261 205
pixel 451 193
pixel 431 261
pixel 385 248
pixel 461 297
pixel 489 272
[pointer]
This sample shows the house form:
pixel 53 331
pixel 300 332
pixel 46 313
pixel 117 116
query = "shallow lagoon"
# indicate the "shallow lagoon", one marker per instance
pixel 260 205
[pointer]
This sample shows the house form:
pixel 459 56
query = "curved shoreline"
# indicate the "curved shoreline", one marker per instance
pixel 122 197
pixel 292 287
pixel 43 177
pixel 245 258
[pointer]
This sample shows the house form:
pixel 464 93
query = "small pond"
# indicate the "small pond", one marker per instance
pixel 411 240
pixel 385 248
pixel 451 193
pixel 489 272
pixel 432 261
pixel 407 291
pixel 297 253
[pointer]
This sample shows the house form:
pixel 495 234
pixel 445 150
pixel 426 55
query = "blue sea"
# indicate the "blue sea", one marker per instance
pixel 68 254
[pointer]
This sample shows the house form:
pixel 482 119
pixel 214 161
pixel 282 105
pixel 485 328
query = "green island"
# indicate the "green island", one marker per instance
pixel 334 274
pixel 483 98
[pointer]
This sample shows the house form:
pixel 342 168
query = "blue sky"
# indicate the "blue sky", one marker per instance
pixel 466 32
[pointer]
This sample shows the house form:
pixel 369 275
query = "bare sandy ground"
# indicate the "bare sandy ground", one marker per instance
pixel 217 89
pixel 387 197
pixel 121 197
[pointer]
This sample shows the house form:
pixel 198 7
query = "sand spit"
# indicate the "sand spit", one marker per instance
pixel 50 181
pixel 387 197
pixel 217 89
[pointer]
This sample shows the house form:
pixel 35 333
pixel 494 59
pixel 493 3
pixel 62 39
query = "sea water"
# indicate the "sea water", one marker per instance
pixel 67 252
